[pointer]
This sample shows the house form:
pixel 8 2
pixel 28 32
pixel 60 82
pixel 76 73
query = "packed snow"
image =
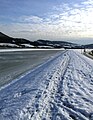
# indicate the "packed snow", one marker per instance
pixel 59 89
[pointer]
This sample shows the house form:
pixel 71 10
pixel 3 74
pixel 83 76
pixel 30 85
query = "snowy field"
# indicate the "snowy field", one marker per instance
pixel 59 89
pixel 15 62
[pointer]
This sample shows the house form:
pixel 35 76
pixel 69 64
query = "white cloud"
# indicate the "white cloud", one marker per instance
pixel 30 19
pixel 62 7
pixel 77 19
pixel 67 22
pixel 88 2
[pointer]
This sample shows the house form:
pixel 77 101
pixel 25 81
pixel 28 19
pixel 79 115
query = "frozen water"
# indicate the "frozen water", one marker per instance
pixel 59 89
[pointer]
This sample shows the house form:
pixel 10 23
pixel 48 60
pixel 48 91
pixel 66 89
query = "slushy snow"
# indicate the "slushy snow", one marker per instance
pixel 59 89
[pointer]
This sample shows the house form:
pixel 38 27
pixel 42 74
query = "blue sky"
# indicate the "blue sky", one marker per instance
pixel 48 19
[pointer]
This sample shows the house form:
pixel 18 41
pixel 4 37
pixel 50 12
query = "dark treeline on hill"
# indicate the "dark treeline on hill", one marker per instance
pixel 10 42
pixel 89 46
pixel 6 41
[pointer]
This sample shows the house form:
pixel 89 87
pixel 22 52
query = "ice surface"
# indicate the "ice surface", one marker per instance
pixel 15 63
pixel 60 89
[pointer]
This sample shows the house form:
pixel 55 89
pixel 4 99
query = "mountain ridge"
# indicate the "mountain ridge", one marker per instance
pixel 6 40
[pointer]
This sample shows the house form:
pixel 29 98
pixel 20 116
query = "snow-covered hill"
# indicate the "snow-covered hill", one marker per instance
pixel 60 89
pixel 5 42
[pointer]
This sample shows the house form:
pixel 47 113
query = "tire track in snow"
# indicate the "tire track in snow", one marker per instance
pixel 71 85
pixel 63 96
pixel 17 99
pixel 61 89
pixel 42 104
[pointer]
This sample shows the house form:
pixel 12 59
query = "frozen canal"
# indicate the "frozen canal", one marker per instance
pixel 15 63
pixel 59 89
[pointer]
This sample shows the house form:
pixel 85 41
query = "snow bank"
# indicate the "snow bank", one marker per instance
pixel 26 49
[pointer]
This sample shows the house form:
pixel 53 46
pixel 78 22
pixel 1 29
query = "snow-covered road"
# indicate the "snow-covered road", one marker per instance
pixel 60 89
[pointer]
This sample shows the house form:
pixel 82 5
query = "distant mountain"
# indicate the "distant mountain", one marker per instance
pixel 4 38
pixel 55 44
pixel 5 41
pixel 10 42
pixel 88 46
pixel 3 35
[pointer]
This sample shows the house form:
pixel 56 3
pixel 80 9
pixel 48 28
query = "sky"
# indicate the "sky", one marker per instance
pixel 63 20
